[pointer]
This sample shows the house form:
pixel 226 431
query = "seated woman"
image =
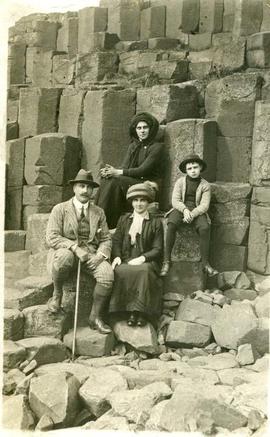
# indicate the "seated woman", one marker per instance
pixel 137 252
pixel 143 161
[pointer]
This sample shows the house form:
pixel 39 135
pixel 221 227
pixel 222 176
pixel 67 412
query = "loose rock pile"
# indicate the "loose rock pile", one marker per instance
pixel 75 81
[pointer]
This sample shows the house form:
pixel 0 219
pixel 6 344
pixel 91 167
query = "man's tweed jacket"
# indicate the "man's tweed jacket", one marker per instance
pixel 62 230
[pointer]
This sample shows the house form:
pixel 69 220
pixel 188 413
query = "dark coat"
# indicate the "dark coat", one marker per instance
pixel 150 242
pixel 144 162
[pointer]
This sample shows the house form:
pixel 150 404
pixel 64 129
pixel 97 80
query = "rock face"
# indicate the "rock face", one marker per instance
pixel 44 350
pixel 98 387
pixel 197 312
pixel 143 338
pixel 62 404
pixel 39 321
pixel 186 333
pixel 90 342
pixel 23 419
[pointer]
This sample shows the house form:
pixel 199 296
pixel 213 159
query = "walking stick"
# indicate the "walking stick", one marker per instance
pixel 76 310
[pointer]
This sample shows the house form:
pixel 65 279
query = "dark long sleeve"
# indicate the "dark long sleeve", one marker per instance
pixel 117 239
pixel 157 245
pixel 150 165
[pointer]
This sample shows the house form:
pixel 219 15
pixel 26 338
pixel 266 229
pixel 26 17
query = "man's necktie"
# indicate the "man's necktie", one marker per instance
pixel 82 213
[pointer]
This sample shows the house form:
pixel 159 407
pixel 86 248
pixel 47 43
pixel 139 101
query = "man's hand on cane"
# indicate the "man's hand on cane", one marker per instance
pixel 81 253
pixel 94 260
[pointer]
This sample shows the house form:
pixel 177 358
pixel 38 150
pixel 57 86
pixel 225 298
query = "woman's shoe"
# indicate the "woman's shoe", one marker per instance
pixel 141 321
pixel 132 320
pixel 165 268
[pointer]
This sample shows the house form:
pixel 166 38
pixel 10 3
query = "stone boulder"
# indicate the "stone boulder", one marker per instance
pixel 55 395
pixel 153 423
pixel 245 354
pixel 262 305
pixel 197 312
pixel 40 322
pixel 258 336
pixel 187 334
pixel 13 354
pixel 252 395
pixel 13 324
pixel 233 279
pixel 232 324
pixel 135 404
pixel 260 163
pixel 215 362
pixel 263 287
pixel 98 388
pixel 240 294
pixel 11 379
pixel 17 415
pixel 80 371
pixel 90 342
pixel 143 338
pixel 44 350
pixel 108 421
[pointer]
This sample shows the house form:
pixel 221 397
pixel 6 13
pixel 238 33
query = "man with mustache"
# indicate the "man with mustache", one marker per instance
pixel 77 230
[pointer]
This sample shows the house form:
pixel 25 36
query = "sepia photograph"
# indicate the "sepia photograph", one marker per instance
pixel 135 200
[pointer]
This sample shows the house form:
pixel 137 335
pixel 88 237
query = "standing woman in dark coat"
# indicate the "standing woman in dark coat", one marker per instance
pixel 136 253
pixel 143 161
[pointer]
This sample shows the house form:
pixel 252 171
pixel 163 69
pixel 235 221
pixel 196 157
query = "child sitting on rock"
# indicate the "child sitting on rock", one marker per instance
pixel 190 200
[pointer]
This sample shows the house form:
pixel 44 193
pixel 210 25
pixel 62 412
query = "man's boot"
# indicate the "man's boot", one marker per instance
pixel 54 303
pixel 100 298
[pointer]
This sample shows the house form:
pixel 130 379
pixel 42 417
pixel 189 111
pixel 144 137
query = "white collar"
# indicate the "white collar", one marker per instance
pixel 145 215
pixel 78 205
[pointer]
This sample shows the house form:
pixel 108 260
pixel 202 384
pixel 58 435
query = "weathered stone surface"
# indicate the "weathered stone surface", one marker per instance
pixel 240 294
pixel 16 63
pixel 153 22
pixel 51 159
pixel 36 231
pixel 236 376
pixel 90 342
pixel 184 278
pixel 141 378
pixel 14 240
pixel 233 159
pixel 127 46
pixel 40 322
pixel 90 20
pixel 43 115
pixel 162 43
pixel 180 15
pixel 211 14
pixel 23 419
pixel 63 70
pixel 248 17
pixel 123 18
pixel 186 333
pixel 163 101
pixel 260 167
pixel 114 360
pixel 230 233
pixel 262 305
pixel 67 37
pixel 20 259
pixel 228 257
pixel 62 404
pixel 138 62
pixel 263 286
pixel 95 66
pixel 135 404
pixel 185 137
pixel 12 130
pixel 258 245
pixel 229 54
pixel 15 162
pixel 29 210
pixel 13 208
pixel 17 299
pixel 153 423
pixel 102 41
pixel 39 67
pixel 245 354
pixel 200 41
pixel 12 110
pixel 36 195
pixel 175 71
pixel 199 70
pixel 252 395
pixel 255 420
pixel 232 324
pixel 38 263
pixel 71 112
pixel 98 388
pixel 258 51
pixel 108 422
pixel 101 144
pixel 265 26
pixel 13 324
pixel 228 192
pixel 258 336
pixel 228 15
pixel 197 312
pixel 11 379
pixel 261 365
pixel 45 423
pixel 80 371
pixel 229 212
pixel 142 338
pixel 215 362
pixel 225 97
pixel 13 355
pixel 44 350
pixel 38 32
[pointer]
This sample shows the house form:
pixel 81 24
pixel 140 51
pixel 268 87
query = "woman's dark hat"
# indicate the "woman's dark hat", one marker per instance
pixel 192 158
pixel 150 120
pixel 84 177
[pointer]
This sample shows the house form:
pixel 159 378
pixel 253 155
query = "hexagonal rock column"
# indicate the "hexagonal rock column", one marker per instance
pixel 229 211
pixel 153 22
pixel 35 241
pixel 182 333
pixel 260 164
pixel 248 17
pixel 169 102
pixel 43 114
pixel 71 112
pixel 94 67
pixel 63 70
pixel 184 137
pixel 90 343
pixel 15 151
pixel 258 51
pixel 90 20
pixel 67 37
pixel 16 63
pixel 123 18
pixel 39 67
pixel 211 15
pixel 101 143
pixel 258 243
pixel 234 158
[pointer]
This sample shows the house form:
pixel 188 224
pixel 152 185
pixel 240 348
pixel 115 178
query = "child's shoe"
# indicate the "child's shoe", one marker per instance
pixel 165 268
pixel 210 271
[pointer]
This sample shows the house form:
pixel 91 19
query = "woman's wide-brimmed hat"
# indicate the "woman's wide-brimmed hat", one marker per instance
pixel 146 189
pixel 84 177
pixel 192 158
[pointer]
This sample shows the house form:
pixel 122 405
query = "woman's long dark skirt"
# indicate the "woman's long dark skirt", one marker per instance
pixel 136 288
pixel 111 197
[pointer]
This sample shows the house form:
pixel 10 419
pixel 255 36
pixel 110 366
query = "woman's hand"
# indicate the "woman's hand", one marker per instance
pixel 116 262
pixel 137 261
pixel 109 171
